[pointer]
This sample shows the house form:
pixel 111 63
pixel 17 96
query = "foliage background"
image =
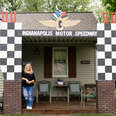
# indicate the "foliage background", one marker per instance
pixel 96 6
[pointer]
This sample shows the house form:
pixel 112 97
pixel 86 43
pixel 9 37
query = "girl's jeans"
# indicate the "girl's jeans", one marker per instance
pixel 28 95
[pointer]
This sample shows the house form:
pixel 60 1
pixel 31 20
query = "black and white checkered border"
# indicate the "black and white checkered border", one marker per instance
pixel 106 51
pixel 11 50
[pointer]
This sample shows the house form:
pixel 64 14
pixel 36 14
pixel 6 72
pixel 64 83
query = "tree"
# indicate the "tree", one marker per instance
pixel 1 5
pixel 12 5
pixel 97 8
pixel 53 5
pixel 110 5
pixel 46 5
pixel 33 5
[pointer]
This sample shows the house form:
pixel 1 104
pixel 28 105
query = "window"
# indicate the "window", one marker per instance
pixel 60 62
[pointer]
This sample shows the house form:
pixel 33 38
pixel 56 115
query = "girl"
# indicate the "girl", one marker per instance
pixel 28 80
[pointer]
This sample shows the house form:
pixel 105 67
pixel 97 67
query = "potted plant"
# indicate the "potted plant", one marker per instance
pixel 60 81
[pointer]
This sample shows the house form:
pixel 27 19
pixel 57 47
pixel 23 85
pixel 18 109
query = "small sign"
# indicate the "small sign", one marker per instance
pixel 85 61
pixel 60 61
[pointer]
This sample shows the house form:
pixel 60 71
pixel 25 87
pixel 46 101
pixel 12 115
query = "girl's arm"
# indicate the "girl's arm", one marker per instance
pixel 32 81
pixel 23 78
pixel 26 80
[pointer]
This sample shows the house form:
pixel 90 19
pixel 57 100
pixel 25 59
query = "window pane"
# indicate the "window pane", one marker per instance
pixel 60 62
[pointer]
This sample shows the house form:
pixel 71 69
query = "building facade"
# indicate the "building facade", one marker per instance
pixel 71 46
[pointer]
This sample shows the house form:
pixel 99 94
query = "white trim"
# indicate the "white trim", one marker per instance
pixel 66 48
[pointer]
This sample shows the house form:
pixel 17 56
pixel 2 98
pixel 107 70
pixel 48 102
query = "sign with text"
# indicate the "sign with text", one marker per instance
pixel 109 18
pixel 12 17
pixel 59 33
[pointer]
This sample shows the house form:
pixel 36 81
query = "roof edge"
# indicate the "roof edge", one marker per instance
pixel 49 12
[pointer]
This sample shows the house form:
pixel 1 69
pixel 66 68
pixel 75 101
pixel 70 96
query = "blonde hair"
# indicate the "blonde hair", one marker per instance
pixel 31 71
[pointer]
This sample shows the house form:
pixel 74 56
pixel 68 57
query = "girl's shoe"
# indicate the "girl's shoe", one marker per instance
pixel 29 108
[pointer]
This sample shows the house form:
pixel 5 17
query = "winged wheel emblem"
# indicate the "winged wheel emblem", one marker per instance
pixel 60 21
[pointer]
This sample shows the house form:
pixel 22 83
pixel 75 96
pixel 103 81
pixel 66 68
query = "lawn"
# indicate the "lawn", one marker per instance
pixel 62 115
pixel 93 115
pixel 23 115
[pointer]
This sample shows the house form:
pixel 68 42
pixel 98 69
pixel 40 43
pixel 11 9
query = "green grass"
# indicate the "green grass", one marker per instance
pixel 23 115
pixel 93 115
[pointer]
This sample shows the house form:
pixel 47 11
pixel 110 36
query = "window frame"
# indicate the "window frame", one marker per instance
pixel 56 76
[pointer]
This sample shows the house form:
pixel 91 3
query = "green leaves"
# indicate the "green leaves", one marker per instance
pixel 33 5
pixel 1 5
pixel 12 5
pixel 69 5
pixel 45 5
pixel 53 5
pixel 110 5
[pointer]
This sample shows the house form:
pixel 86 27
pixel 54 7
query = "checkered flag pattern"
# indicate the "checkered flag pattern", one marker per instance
pixel 106 51
pixel 11 50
